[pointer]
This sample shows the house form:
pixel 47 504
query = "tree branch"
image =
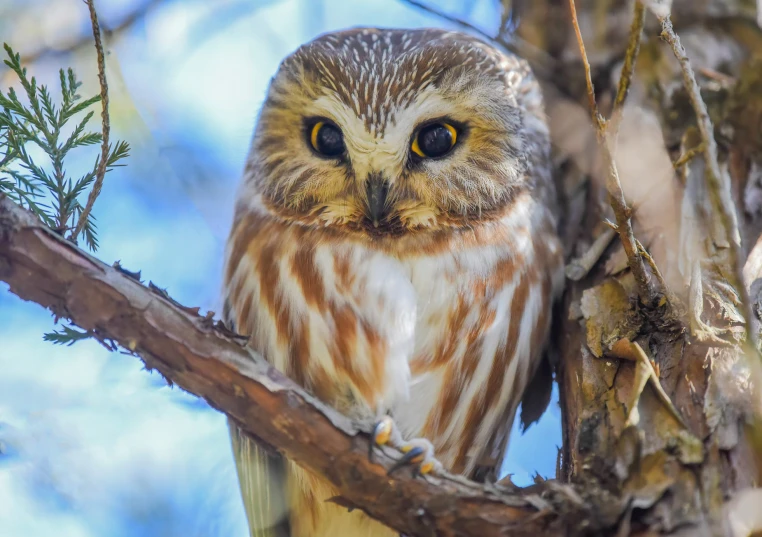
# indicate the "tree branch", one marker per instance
pixel 207 360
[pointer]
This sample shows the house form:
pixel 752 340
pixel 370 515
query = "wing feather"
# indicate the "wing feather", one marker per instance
pixel 262 478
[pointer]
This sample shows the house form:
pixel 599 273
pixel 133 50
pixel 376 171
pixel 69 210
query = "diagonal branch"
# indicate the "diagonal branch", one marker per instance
pixel 204 359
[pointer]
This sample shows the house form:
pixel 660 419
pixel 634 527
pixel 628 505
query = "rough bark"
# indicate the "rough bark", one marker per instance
pixel 667 470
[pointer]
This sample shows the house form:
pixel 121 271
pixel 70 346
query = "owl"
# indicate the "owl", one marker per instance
pixel 394 251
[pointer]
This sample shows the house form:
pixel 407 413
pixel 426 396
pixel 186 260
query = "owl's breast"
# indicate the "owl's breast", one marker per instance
pixel 483 311
pixel 336 316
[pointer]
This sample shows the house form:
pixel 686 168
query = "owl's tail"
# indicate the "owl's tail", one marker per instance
pixel 262 478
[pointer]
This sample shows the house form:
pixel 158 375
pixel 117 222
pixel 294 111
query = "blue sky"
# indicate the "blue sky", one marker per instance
pixel 90 443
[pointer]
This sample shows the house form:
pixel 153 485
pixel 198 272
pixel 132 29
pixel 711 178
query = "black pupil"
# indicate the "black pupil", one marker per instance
pixel 435 140
pixel 329 141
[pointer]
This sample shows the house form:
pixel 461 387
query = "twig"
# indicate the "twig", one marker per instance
pixel 629 350
pixel 579 268
pixel 597 119
pixel 622 212
pixel 628 68
pixel 718 185
pixel 106 126
pixel 655 269
pixel 688 156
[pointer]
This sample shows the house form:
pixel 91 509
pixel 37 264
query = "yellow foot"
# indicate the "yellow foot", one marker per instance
pixel 418 453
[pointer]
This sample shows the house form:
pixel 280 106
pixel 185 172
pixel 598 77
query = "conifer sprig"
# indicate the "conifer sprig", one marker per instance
pixel 46 189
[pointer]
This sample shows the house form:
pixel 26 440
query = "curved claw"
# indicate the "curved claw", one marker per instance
pixel 414 455
pixel 418 453
pixel 382 433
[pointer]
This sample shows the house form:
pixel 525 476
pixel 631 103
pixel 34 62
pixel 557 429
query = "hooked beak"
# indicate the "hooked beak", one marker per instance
pixel 377 190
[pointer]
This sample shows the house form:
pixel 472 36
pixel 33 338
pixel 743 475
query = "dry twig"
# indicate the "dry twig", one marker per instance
pixel 106 126
pixel 628 68
pixel 688 156
pixel 581 266
pixel 629 350
pixel 622 212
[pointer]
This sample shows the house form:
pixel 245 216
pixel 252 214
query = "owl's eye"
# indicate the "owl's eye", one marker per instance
pixel 327 139
pixel 434 140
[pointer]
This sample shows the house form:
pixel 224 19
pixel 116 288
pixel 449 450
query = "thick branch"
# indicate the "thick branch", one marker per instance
pixel 190 351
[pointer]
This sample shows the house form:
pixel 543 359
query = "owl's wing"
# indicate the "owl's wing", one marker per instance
pixel 262 478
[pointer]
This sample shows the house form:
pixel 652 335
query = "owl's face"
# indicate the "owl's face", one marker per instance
pixel 392 131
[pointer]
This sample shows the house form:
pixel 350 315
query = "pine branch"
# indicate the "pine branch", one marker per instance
pixel 66 336
pixel 46 189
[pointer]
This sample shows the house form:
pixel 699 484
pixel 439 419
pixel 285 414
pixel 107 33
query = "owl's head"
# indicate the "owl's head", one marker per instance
pixel 393 131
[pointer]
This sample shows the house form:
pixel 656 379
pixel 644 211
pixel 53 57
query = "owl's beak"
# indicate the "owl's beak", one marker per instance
pixel 377 189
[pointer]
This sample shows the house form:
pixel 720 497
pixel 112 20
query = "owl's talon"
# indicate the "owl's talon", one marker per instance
pixel 413 455
pixel 382 431
pixel 418 453
pixel 382 434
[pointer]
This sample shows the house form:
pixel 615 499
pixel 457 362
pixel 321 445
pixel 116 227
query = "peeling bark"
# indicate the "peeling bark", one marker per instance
pixel 668 470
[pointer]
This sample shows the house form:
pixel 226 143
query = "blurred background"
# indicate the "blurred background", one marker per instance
pixel 90 443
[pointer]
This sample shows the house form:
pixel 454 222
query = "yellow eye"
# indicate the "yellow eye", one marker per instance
pixel 326 139
pixel 434 140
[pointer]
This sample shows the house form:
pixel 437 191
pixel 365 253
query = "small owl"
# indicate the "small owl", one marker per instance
pixel 394 251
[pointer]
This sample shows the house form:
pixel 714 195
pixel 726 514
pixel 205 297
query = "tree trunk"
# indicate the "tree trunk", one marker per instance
pixel 661 413
pixel 670 451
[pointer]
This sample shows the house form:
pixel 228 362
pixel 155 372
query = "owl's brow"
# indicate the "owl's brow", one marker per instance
pixel 378 72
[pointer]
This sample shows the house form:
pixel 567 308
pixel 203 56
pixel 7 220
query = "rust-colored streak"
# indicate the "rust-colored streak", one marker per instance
pixel 344 351
pixel 243 234
pixel 489 395
pixel 459 374
pixel 378 354
pixel 307 276
pixel 269 277
pixel 344 275
pixel 452 335
pixel 298 352
pixel 245 318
